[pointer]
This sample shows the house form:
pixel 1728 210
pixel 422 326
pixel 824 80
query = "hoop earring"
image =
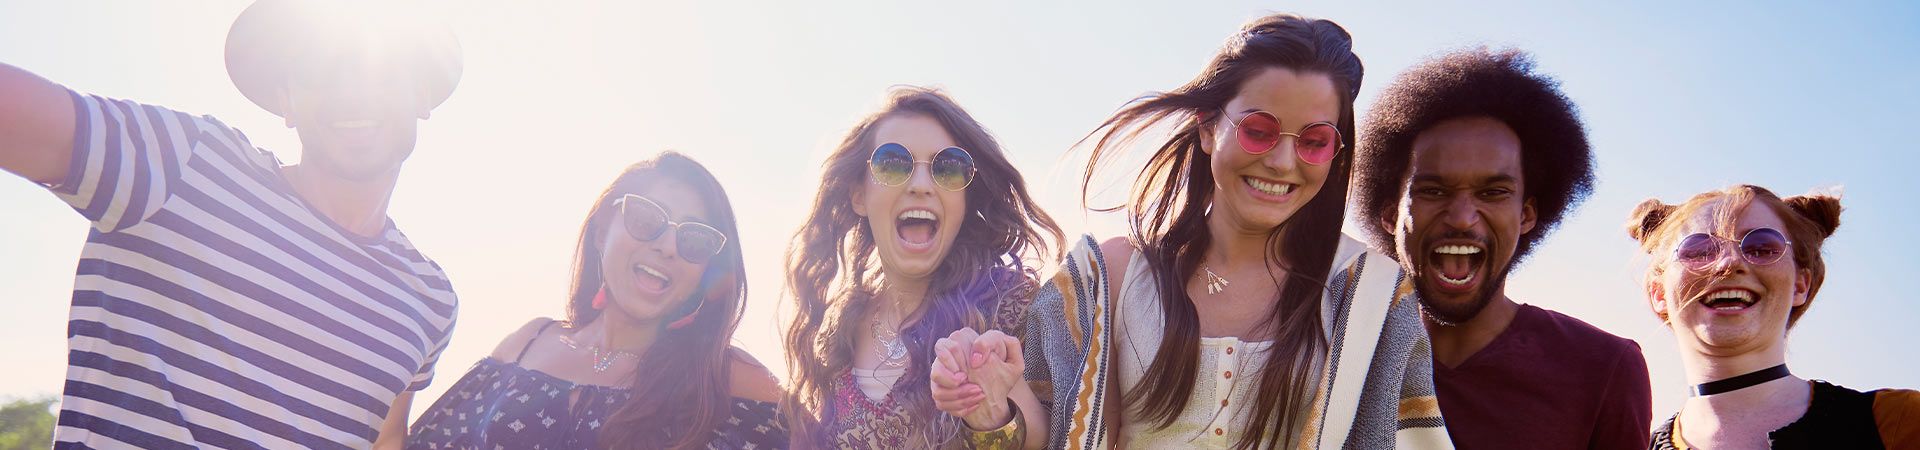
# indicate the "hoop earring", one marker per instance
pixel 684 321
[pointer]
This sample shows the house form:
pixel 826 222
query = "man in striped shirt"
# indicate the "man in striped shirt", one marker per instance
pixel 224 300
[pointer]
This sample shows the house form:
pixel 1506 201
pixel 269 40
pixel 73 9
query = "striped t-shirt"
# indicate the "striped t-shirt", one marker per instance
pixel 213 308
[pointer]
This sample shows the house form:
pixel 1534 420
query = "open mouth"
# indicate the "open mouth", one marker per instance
pixel 650 279
pixel 1267 188
pixel 1729 299
pixel 1456 266
pixel 915 228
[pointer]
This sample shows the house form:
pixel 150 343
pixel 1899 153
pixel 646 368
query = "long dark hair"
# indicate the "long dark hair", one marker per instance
pixel 832 267
pixel 1170 203
pixel 680 386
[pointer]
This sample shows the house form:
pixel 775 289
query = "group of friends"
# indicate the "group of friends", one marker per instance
pixel 225 299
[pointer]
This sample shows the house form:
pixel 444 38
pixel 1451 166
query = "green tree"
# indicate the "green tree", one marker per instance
pixel 26 424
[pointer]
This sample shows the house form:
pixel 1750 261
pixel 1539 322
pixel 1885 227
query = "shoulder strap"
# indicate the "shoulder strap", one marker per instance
pixel 531 340
pixel 1353 345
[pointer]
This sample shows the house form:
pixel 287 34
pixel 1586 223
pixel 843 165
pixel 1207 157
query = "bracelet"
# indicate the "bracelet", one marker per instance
pixel 1013 435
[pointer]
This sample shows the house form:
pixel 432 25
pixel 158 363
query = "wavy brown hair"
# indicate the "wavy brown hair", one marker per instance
pixel 680 386
pixel 1169 206
pixel 833 272
pixel 1809 218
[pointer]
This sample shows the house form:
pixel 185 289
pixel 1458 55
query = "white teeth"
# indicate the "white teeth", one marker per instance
pixel 651 272
pixel 1457 250
pixel 1741 299
pixel 916 214
pixel 1269 187
pixel 362 123
pixel 1458 282
pixel 1737 294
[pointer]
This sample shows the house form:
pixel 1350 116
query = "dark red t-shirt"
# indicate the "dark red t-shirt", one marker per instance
pixel 1548 382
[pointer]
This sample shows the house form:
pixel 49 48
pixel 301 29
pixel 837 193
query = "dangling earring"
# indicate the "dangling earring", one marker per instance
pixel 682 323
pixel 600 298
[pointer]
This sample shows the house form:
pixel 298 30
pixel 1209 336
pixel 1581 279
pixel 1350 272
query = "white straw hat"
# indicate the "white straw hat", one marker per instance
pixel 273 39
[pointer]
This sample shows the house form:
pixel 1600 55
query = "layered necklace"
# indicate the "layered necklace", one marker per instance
pixel 603 358
pixel 891 350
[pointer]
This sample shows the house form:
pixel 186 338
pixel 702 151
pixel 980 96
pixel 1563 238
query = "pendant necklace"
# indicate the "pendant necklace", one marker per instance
pixel 603 359
pixel 1215 283
pixel 892 352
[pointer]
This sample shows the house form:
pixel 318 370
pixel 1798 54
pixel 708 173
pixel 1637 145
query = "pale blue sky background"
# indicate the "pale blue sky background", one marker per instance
pixel 1679 97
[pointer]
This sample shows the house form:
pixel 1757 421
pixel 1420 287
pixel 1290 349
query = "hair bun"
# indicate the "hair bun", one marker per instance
pixel 1647 217
pixel 1821 208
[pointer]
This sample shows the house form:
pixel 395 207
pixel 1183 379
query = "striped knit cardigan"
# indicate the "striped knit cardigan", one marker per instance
pixel 1377 392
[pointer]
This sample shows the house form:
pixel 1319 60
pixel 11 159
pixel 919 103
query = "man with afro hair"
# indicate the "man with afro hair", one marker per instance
pixel 1466 162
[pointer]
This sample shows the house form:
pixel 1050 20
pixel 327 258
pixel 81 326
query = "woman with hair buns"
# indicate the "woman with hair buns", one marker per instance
pixel 1732 270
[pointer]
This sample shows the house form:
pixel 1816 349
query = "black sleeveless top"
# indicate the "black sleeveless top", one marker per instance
pixel 1836 418
pixel 501 405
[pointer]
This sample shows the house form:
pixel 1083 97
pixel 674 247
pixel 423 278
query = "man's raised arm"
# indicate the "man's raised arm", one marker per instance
pixel 36 126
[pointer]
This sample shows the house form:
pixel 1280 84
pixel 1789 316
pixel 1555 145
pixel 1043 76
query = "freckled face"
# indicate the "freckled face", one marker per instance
pixel 1731 306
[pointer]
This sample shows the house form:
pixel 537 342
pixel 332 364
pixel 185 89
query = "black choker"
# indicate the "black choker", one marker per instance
pixel 1740 382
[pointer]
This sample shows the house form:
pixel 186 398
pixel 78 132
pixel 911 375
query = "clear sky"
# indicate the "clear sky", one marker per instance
pixel 1679 97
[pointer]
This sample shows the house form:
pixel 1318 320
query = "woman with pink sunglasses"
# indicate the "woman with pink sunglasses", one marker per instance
pixel 1732 270
pixel 1235 314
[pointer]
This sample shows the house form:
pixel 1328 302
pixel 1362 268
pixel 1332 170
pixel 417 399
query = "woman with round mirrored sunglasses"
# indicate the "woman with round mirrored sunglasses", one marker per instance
pixel 887 266
pixel 1759 247
pixel 1259 132
pixel 645 220
pixel 892 165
